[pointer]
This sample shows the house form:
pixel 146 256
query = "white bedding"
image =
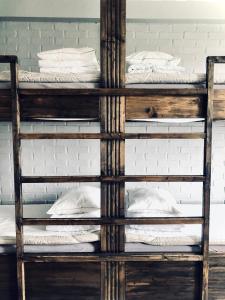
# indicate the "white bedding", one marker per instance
pixel 188 235
pixel 148 78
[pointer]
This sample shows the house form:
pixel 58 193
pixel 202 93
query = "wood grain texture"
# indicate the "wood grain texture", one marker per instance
pixel 17 180
pixel 81 281
pixel 112 116
pixel 110 136
pixel 170 281
pixel 114 178
pixel 207 183
pixel 137 107
pixel 110 257
pixel 113 221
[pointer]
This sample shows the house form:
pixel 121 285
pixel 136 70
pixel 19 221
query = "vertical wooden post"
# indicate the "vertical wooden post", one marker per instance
pixel 207 173
pixel 17 180
pixel 113 32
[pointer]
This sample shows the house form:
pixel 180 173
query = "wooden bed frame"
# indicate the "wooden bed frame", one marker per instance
pixel 112 274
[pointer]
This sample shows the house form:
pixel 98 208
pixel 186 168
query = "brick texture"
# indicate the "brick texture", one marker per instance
pixel 82 157
pixel 191 42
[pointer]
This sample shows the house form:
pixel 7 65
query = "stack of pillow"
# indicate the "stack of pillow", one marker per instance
pixel 82 202
pixel 68 60
pixel 148 61
pixel 156 203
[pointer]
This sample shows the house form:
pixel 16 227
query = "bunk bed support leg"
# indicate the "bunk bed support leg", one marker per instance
pixel 207 174
pixel 113 33
pixel 112 203
pixel 17 181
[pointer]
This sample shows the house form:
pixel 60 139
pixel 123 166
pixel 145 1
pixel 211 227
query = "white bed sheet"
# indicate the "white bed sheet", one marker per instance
pixel 140 78
pixel 37 235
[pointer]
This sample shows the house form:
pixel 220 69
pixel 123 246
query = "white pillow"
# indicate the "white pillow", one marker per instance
pixel 78 200
pixel 151 201
pixel 153 58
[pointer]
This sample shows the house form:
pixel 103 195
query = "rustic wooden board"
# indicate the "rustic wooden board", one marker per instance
pixel 41 106
pixel 81 281
pixel 170 281
pixel 53 281
pixel 164 107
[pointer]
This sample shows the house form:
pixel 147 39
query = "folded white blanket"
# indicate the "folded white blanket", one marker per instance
pixel 172 238
pixel 153 58
pixel 172 78
pixel 68 70
pixel 75 228
pixel 141 78
pixel 149 68
pixel 84 54
pixel 25 76
pixel 67 63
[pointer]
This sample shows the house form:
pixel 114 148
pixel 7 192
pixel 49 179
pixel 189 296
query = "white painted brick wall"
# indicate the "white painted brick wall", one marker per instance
pixel 82 157
pixel 191 42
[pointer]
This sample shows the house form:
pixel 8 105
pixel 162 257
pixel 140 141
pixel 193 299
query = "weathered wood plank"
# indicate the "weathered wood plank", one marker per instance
pixel 144 107
pixel 113 179
pixel 111 257
pixel 160 281
pixel 8 59
pixel 112 116
pixel 110 136
pixel 81 281
pixel 17 181
pixel 207 183
pixel 115 221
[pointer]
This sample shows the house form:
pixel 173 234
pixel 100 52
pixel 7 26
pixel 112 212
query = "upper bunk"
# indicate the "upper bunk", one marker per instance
pixel 142 103
pixel 148 96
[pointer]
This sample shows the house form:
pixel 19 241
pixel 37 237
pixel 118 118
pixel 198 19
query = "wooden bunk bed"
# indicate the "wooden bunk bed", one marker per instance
pixel 112 273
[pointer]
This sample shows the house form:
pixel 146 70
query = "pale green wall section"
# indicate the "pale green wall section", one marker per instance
pixel 136 9
pixel 50 8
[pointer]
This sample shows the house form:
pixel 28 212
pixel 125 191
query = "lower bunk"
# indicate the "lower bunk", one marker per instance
pixel 82 280
pixel 144 280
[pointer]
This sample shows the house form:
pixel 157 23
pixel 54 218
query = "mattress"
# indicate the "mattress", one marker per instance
pixel 32 80
pixel 188 235
pixel 51 85
pixel 91 85
pixel 94 247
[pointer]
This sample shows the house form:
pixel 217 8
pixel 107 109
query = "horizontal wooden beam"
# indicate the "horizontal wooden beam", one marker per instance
pixel 113 221
pixel 101 92
pixel 128 178
pixel 106 136
pixel 216 59
pixel 101 257
pixel 155 178
pixel 59 179
pixel 156 136
pixel 8 59
pixel 76 108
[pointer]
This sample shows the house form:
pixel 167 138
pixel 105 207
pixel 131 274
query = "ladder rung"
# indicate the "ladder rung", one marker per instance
pixel 196 135
pixel 66 136
pixel 128 178
pixel 112 221
pixel 8 59
pixel 110 136
pixel 154 178
pixel 60 179
pixel 100 257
